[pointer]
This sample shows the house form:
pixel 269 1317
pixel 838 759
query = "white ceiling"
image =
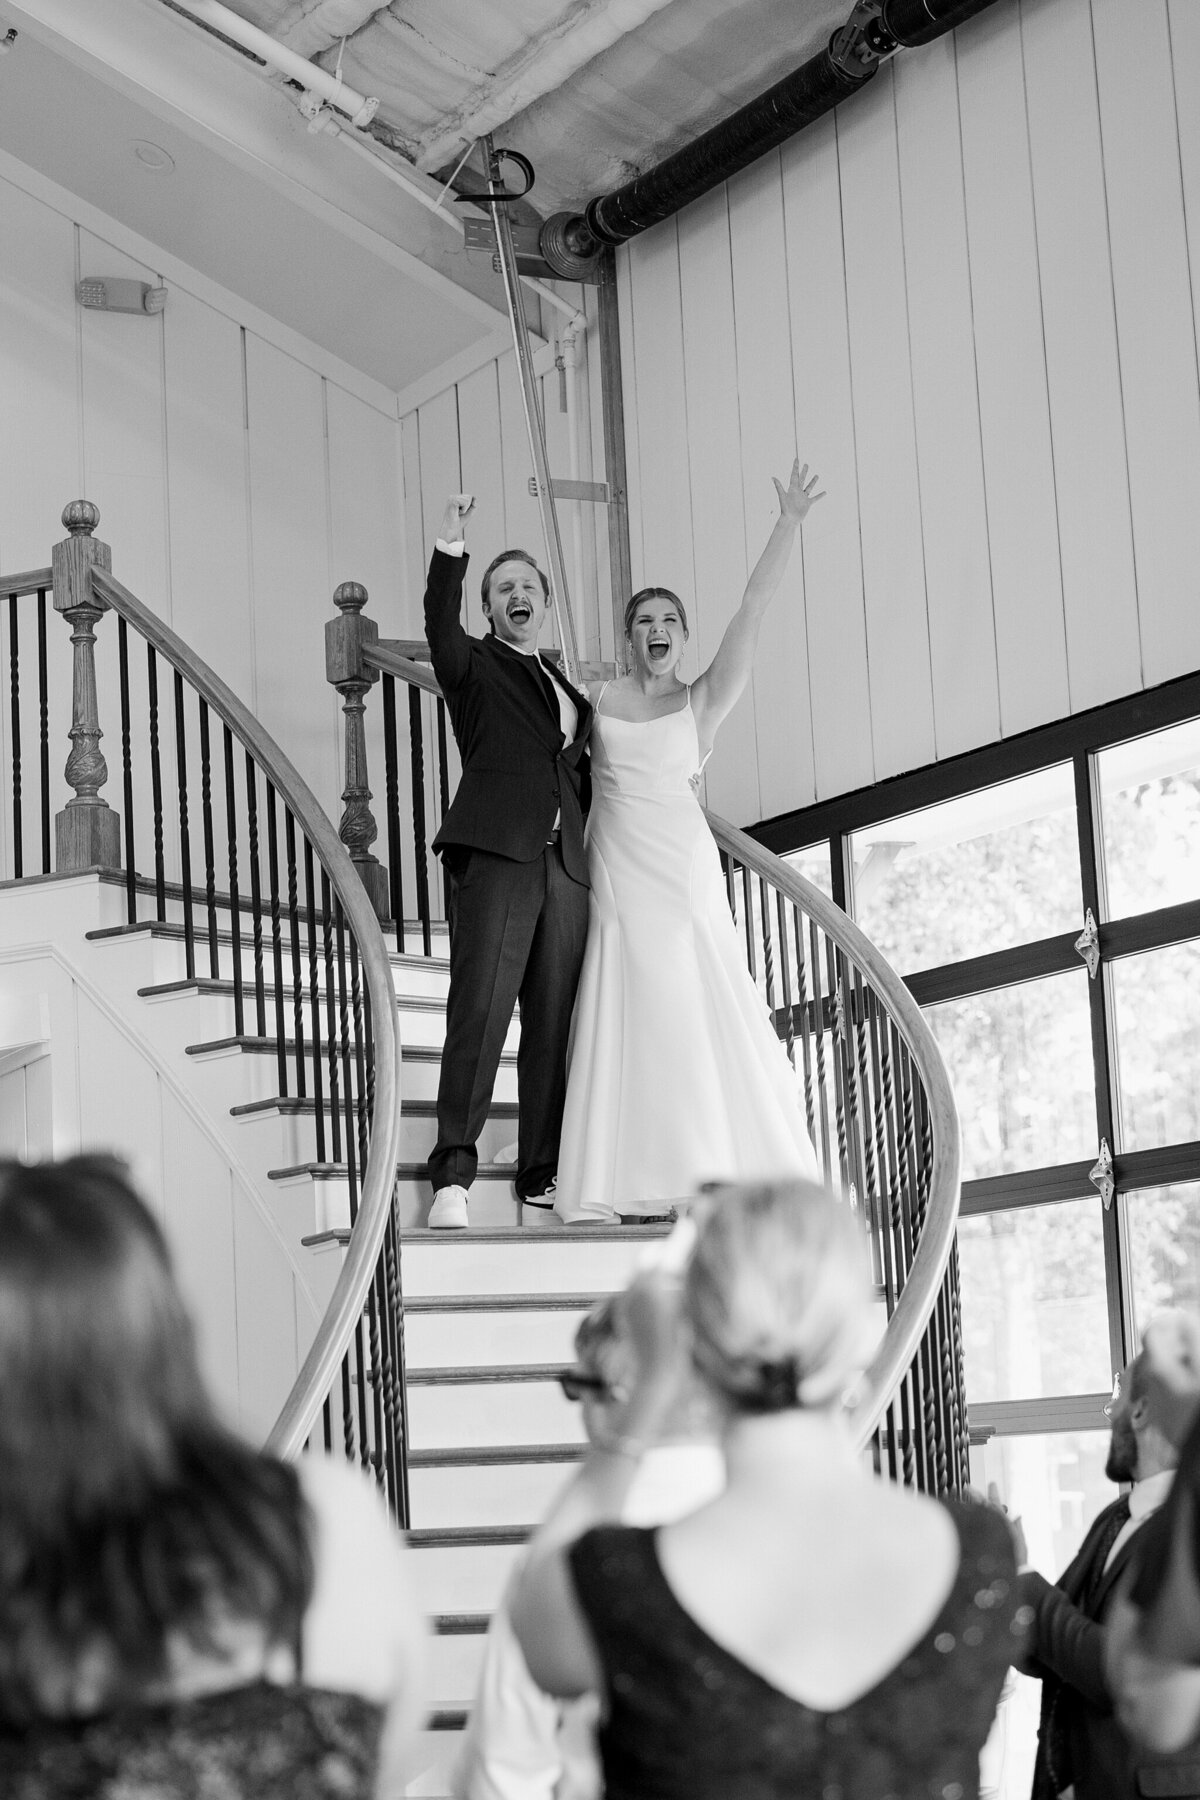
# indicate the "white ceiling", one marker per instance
pixel 589 90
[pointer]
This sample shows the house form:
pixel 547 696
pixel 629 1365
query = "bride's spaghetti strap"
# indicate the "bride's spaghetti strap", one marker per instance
pixel 599 697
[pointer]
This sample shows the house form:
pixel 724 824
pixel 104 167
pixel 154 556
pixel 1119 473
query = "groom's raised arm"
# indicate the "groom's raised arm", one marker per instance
pixel 449 645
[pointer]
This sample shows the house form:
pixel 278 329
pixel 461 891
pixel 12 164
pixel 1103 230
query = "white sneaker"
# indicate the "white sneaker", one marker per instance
pixel 449 1210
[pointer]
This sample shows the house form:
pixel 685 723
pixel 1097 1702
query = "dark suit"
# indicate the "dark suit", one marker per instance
pixel 517 902
pixel 1079 1741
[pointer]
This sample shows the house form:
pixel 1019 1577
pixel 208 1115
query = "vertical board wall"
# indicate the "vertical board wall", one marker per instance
pixel 967 298
pixel 240 473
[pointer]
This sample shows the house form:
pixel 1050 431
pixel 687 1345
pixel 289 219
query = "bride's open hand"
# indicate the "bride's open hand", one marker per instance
pixel 798 496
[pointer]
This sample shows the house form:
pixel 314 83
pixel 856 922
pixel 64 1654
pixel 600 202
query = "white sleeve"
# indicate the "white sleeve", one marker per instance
pixel 362 1633
pixel 457 548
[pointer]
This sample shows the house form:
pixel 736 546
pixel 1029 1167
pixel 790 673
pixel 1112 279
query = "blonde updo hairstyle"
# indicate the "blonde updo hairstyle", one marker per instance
pixel 776 1295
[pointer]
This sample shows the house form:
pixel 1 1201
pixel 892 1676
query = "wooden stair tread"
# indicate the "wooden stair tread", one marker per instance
pixel 467 1537
pixel 454 1303
pixel 497 1456
pixel 480 1374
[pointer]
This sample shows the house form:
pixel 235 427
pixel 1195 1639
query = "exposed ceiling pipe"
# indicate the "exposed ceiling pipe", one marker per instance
pixel 570 242
pixel 314 80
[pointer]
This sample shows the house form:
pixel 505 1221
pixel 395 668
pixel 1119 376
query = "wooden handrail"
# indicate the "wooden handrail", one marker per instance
pixel 921 1288
pixel 382 656
pixel 295 1423
pixel 27 582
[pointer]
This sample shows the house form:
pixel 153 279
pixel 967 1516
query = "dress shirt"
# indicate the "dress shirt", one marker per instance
pixel 1145 1497
pixel 568 712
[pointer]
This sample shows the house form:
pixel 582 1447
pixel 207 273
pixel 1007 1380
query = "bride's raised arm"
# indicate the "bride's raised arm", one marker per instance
pixel 716 691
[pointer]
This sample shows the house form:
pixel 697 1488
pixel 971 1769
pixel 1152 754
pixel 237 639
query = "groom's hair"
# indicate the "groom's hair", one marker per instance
pixel 509 556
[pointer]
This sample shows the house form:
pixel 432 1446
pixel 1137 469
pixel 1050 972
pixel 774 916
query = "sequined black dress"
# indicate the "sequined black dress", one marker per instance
pixel 688 1721
pixel 260 1742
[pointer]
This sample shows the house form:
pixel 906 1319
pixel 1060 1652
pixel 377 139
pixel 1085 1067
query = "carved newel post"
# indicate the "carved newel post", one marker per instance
pixel 345 640
pixel 87 832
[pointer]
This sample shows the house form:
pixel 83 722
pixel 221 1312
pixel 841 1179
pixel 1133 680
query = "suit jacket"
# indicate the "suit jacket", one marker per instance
pixel 517 774
pixel 1079 1741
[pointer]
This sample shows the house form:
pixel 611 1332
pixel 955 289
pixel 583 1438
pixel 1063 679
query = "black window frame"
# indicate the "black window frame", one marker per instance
pixel 1077 740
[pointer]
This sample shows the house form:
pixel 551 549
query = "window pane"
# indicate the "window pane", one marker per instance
pixel 980 873
pixel 1157 1006
pixel 1150 812
pixel 1055 1485
pixel 813 863
pixel 1164 1248
pixel 1035 1319
pixel 1020 1059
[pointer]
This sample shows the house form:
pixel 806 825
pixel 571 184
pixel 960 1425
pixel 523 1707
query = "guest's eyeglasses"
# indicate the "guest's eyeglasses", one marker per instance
pixel 1116 1395
pixel 575 1383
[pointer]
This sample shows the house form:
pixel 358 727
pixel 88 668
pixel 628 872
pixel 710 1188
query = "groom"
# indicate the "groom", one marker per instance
pixel 515 866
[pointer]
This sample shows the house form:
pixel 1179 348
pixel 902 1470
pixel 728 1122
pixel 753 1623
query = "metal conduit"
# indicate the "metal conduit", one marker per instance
pixel 873 31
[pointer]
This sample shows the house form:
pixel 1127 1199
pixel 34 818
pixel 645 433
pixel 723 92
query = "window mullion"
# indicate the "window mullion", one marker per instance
pixel 1103 1057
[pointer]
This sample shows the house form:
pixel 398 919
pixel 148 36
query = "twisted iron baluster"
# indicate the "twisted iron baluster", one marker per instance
pixel 160 871
pixel 210 857
pixel 276 940
pixel 44 729
pixel 256 912
pixel 314 1000
pixel 416 741
pixel 14 702
pixel 293 901
pixel 235 903
pixel 185 841
pixel 126 771
pixel 391 766
pixel 331 1025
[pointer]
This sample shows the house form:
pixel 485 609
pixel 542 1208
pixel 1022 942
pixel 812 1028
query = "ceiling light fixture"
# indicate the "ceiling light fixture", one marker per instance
pixel 153 157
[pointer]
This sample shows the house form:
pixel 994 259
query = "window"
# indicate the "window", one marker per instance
pixel 986 882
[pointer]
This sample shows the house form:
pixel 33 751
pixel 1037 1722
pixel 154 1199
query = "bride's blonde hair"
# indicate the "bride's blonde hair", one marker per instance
pixel 777 1296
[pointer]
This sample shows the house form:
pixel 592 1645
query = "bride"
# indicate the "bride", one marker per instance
pixel 676 1075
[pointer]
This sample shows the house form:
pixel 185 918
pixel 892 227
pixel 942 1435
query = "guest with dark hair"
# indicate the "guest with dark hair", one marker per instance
pixel 813 1630
pixel 180 1615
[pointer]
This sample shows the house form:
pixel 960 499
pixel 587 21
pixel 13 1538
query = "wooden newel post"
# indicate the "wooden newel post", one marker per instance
pixel 87 832
pixel 345 639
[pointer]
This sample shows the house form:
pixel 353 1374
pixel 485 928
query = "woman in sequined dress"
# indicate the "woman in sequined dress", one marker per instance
pixel 180 1616
pixel 814 1630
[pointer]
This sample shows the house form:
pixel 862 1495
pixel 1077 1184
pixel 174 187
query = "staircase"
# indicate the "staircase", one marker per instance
pixel 257 963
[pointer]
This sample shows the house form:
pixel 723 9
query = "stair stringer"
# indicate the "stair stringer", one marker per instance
pixel 105 1083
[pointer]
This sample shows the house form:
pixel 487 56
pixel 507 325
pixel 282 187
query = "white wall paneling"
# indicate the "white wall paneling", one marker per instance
pixel 978 297
pixel 953 512
pixel 1156 326
pixel 839 696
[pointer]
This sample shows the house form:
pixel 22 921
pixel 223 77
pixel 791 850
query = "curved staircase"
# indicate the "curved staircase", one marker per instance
pixel 297 985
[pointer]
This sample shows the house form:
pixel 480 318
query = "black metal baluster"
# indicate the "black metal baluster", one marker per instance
pixel 351 1157
pixel 235 903
pixel 398 1389
pixel 331 1022
pixel 14 702
pixel 392 776
pixel 160 872
pixel 44 728
pixel 210 858
pixel 314 1001
pixel 185 842
pixel 416 741
pixel 815 1126
pixel 813 964
pixel 256 913
pixel 289 836
pixel 276 940
pixel 127 770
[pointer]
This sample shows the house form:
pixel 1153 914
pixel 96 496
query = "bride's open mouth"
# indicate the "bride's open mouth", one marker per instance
pixel 657 648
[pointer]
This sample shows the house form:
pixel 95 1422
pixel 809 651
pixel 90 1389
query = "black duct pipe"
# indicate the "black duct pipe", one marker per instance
pixel 569 242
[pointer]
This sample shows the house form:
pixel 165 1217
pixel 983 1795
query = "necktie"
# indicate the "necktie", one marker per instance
pixel 1114 1525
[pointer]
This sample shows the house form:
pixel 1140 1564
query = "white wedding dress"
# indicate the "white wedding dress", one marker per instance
pixel 676 1074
